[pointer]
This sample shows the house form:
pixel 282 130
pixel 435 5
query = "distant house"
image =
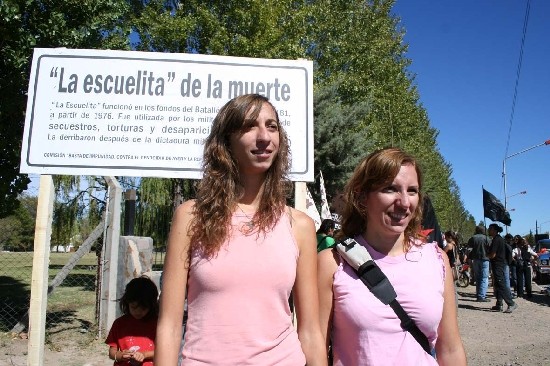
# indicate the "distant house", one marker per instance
pixel 62 248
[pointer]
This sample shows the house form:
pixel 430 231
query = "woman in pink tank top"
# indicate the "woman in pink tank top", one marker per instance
pixel 237 251
pixel 383 212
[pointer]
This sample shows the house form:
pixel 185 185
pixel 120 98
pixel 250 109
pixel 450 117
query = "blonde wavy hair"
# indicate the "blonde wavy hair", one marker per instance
pixel 220 188
pixel 375 171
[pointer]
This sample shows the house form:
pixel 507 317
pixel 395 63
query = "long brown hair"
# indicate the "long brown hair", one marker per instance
pixel 220 188
pixel 375 171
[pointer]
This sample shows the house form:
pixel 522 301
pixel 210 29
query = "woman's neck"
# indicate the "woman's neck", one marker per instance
pixel 392 246
pixel 253 187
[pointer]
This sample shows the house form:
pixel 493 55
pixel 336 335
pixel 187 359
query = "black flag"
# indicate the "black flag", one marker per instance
pixel 430 224
pixel 493 209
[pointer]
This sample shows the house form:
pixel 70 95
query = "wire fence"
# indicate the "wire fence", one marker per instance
pixel 73 296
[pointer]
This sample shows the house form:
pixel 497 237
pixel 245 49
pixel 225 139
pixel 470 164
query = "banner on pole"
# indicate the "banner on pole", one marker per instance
pixel 494 210
pixel 311 210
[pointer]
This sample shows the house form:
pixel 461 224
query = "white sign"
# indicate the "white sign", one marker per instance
pixel 104 112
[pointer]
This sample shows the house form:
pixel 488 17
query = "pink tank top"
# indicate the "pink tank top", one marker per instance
pixel 238 301
pixel 366 332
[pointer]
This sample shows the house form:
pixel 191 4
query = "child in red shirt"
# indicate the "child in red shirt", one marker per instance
pixel 131 339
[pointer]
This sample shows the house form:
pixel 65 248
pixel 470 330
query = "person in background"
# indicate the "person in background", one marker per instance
pixel 451 249
pixel 524 256
pixel 499 263
pixel 480 247
pixel 512 272
pixel 131 339
pixel 383 214
pixel 325 234
pixel 238 251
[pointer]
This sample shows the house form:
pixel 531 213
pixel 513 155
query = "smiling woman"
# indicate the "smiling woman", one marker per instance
pixel 237 252
pixel 382 213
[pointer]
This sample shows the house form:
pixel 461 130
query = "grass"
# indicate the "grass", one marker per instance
pixel 70 306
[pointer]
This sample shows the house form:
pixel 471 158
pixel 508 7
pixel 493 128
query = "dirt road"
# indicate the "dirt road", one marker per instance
pixel 490 338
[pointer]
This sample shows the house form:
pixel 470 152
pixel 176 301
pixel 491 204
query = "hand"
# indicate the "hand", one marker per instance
pixel 138 356
pixel 126 355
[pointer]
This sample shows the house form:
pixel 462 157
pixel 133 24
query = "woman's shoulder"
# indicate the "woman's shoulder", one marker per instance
pixel 188 205
pixel 300 219
pixel 328 260
pixel 185 211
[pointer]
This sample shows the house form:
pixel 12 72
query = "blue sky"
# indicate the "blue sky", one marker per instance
pixel 465 55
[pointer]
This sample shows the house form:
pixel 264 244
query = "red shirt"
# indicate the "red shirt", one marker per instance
pixel 128 332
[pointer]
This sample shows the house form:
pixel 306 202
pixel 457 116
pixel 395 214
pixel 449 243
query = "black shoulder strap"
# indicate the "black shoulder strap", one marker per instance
pixel 376 281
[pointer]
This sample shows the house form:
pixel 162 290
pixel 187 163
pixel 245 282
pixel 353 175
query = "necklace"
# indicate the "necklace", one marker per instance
pixel 249 225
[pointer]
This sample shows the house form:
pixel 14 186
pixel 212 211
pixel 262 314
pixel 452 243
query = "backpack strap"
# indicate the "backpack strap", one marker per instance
pixel 376 281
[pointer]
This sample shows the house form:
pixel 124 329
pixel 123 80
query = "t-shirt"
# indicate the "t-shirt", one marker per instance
pixel 367 332
pixel 479 244
pixel 324 242
pixel 238 309
pixel 128 332
pixel 498 246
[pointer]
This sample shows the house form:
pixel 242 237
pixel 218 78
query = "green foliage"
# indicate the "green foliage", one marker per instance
pixel 78 207
pixel 17 230
pixel 339 143
pixel 156 201
pixel 25 25
pixel 252 28
pixel 365 96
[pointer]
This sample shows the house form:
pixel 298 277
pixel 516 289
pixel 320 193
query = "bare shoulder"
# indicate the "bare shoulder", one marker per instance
pixel 328 261
pixel 184 212
pixel 303 230
pixel 328 258
pixel 181 221
pixel 300 220
pixel 186 207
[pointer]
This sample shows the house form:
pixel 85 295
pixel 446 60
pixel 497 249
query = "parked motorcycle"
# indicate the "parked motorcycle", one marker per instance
pixel 463 275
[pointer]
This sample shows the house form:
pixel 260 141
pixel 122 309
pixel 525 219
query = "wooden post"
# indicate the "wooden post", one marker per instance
pixel 300 196
pixel 109 275
pixel 39 281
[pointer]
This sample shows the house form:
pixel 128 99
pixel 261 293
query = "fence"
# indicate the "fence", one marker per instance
pixel 73 300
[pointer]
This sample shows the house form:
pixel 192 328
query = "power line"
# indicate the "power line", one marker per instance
pixel 525 23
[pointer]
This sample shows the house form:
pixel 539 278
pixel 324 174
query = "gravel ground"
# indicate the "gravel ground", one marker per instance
pixel 490 338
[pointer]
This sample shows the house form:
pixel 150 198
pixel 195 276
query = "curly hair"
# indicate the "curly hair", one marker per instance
pixel 144 292
pixel 220 188
pixel 375 171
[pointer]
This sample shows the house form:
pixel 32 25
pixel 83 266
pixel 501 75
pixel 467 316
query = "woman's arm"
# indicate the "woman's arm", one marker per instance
pixel 449 348
pixel 327 265
pixel 174 284
pixel 305 290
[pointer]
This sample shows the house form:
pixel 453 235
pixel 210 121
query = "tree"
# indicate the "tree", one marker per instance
pixel 17 229
pixel 339 143
pixel 26 25
pixel 157 199
pixel 357 47
pixel 360 60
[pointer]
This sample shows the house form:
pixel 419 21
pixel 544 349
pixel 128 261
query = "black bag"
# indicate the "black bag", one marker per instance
pixel 376 281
